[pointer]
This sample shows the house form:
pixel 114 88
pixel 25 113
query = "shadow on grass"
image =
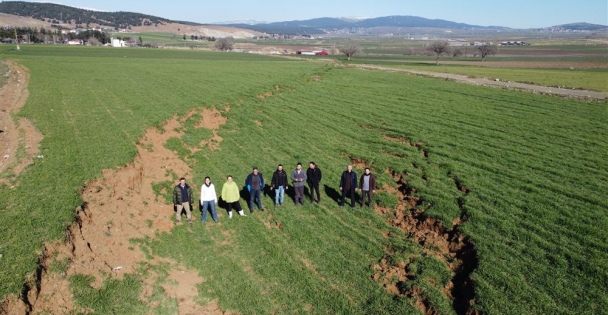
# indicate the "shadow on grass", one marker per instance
pixel 332 193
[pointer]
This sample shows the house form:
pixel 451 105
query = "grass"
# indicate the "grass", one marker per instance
pixel 590 79
pixel 535 166
pixel 579 78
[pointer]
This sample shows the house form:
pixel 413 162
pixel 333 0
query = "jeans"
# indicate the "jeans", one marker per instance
pixel 253 194
pixel 209 204
pixel 279 195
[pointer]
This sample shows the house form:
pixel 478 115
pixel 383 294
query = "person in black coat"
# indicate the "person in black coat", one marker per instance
pixel 348 185
pixel 313 178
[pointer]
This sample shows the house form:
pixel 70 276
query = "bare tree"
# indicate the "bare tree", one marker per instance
pixel 350 50
pixel 456 52
pixel 439 47
pixel 487 49
pixel 223 44
pixel 94 41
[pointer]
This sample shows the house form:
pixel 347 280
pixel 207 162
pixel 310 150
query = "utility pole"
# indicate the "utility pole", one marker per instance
pixel 16 40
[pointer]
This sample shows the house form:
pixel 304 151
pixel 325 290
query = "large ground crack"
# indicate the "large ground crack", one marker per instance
pixel 448 246
pixel 118 207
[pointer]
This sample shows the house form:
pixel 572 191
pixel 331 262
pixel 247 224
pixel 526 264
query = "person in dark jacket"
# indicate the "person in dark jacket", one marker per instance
pixel 255 184
pixel 367 184
pixel 182 197
pixel 313 178
pixel 279 184
pixel 348 185
pixel 298 176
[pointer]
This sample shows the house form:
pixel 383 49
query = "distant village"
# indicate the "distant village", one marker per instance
pixel 114 37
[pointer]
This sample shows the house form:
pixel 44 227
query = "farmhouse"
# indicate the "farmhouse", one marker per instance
pixel 312 52
pixel 514 43
pixel 118 42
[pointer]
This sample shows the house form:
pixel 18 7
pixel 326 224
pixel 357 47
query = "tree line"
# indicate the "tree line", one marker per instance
pixel 55 13
pixel 42 35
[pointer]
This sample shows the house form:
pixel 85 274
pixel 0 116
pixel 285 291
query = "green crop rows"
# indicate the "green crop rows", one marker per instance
pixel 535 167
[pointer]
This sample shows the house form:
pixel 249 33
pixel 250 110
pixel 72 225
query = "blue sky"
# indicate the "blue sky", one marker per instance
pixel 513 13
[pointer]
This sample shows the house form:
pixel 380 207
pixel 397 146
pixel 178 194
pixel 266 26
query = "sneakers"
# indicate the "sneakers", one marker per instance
pixel 230 214
pixel 241 213
pixel 190 221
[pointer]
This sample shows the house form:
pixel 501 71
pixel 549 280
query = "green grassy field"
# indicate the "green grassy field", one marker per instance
pixel 595 78
pixel 535 167
pixel 589 79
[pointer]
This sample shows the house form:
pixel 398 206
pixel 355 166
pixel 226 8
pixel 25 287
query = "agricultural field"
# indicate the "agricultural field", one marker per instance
pixel 489 202
pixel 573 64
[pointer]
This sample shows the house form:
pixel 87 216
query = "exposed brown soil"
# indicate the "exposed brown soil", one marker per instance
pixel 118 207
pixel 359 163
pixel 447 245
pixel 265 95
pixel 213 120
pixel 272 223
pixel 20 134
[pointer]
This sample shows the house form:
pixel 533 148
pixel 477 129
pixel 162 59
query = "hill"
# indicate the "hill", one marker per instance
pixel 8 20
pixel 582 27
pixel 47 15
pixel 328 25
pixel 58 14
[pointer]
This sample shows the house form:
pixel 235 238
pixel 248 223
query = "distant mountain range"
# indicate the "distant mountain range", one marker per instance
pixel 328 25
pixel 324 25
pixel 61 14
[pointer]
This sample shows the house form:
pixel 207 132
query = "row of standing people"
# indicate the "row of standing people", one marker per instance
pixel 183 197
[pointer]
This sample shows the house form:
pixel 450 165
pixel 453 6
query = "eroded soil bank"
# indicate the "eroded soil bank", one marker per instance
pixel 447 245
pixel 118 207
pixel 20 139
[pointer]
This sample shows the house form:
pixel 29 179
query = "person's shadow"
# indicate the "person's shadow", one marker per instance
pixel 290 193
pixel 222 204
pixel 268 192
pixel 332 193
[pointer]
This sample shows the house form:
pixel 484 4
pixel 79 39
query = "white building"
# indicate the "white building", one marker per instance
pixel 118 42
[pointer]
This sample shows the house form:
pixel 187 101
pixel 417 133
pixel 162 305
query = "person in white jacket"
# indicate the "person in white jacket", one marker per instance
pixel 208 200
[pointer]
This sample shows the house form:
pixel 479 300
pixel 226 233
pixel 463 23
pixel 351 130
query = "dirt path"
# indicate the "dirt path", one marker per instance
pixel 119 207
pixel 571 93
pixel 20 139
